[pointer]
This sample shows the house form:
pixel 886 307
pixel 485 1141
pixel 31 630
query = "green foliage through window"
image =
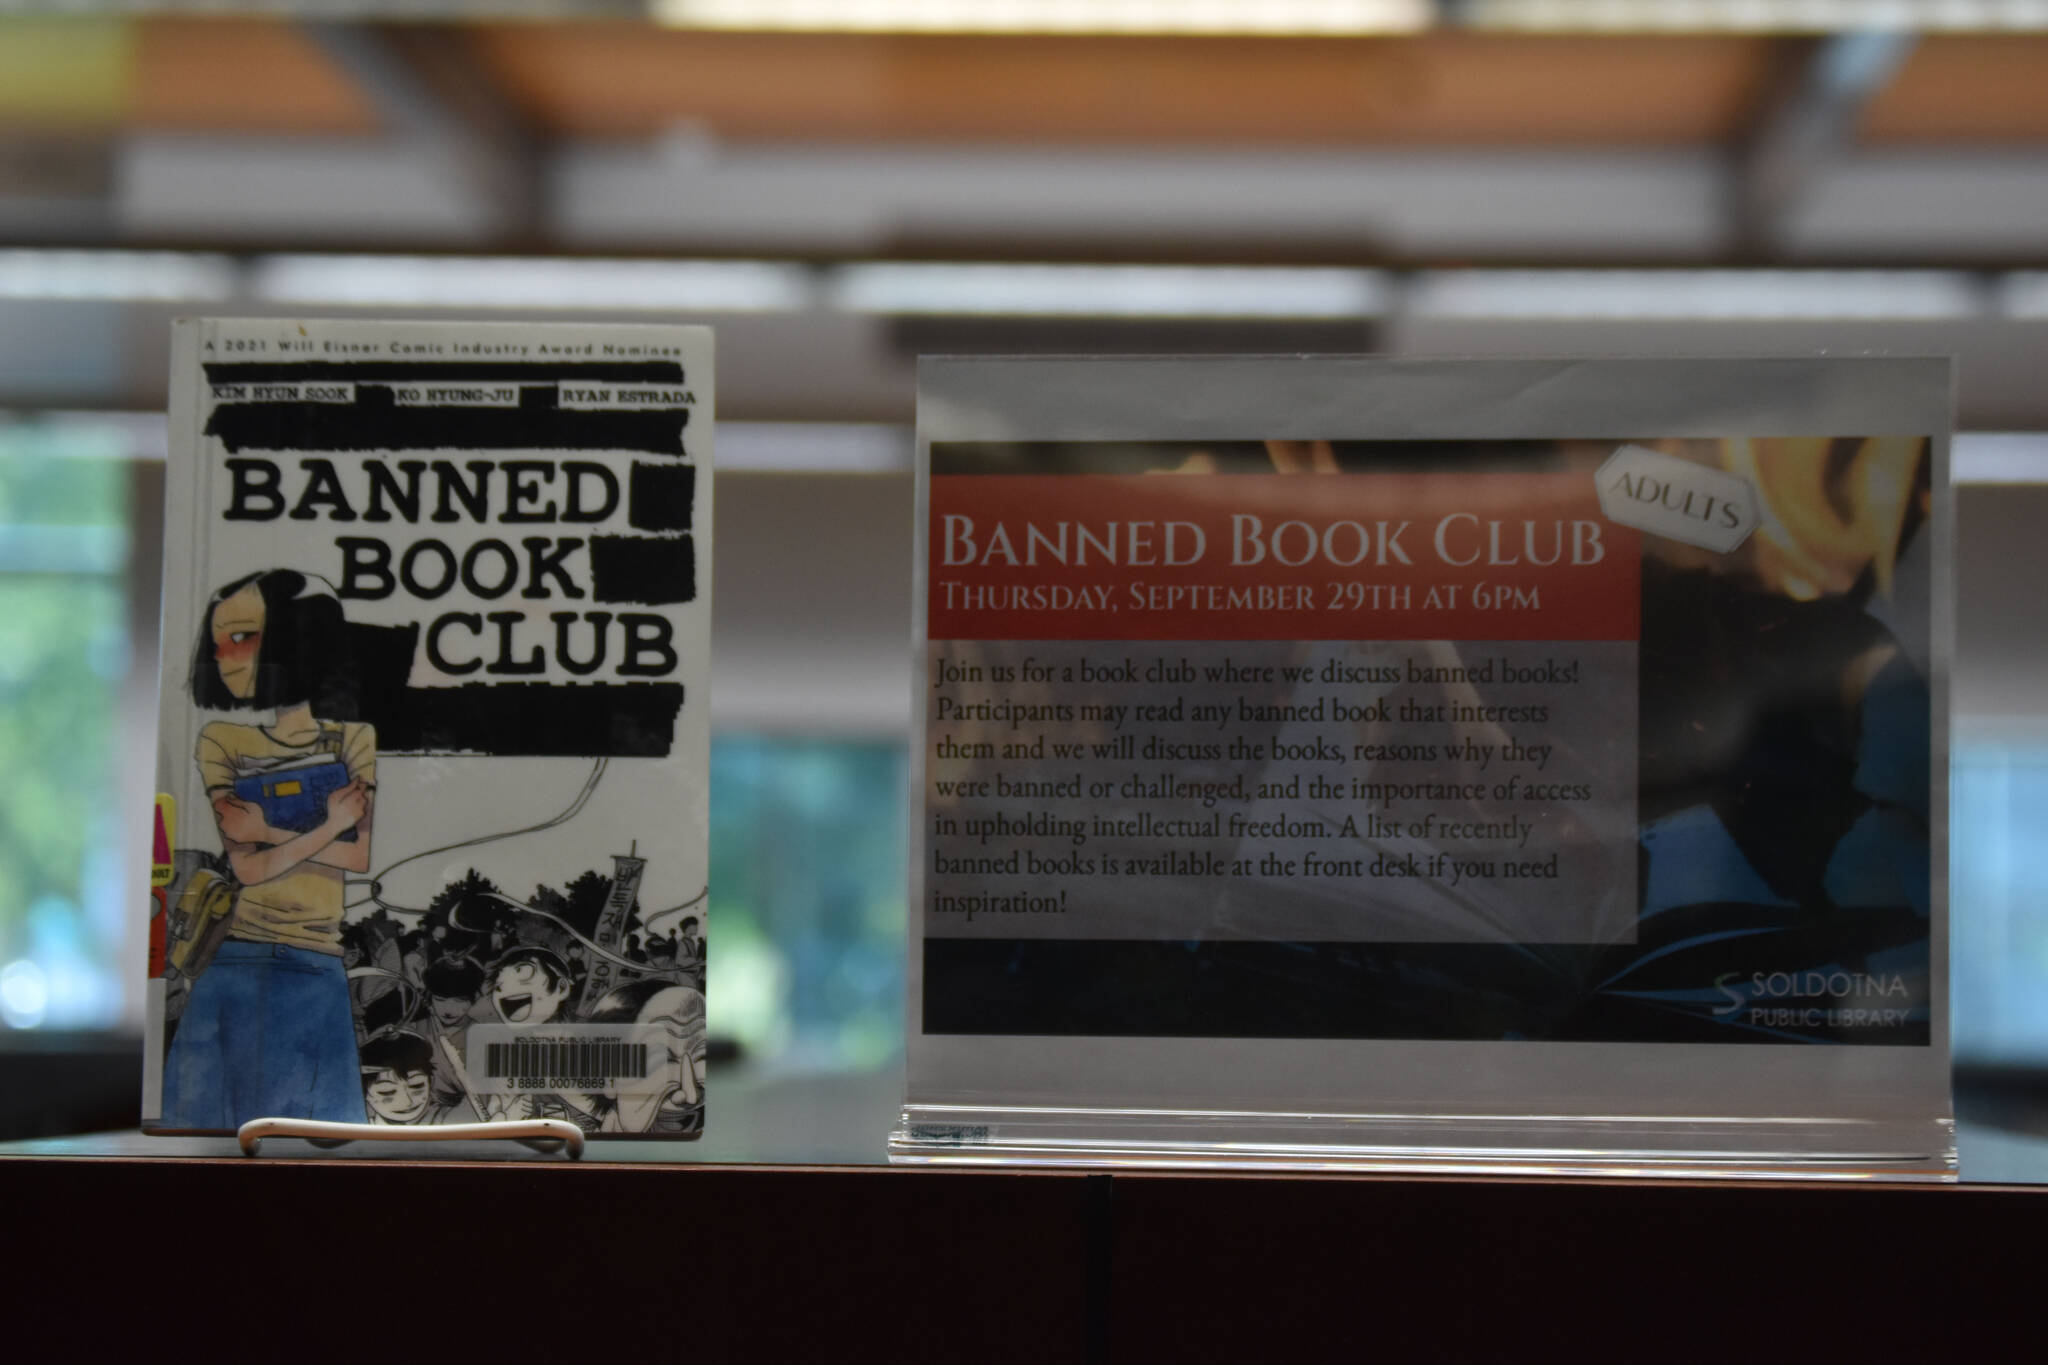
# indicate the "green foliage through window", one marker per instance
pixel 63 659
pixel 807 899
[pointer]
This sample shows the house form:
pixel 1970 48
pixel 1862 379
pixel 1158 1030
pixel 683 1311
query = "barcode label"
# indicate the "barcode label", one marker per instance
pixel 565 1059
pixel 600 1059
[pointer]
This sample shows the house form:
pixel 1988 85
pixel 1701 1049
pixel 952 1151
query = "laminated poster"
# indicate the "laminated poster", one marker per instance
pixel 430 838
pixel 1500 739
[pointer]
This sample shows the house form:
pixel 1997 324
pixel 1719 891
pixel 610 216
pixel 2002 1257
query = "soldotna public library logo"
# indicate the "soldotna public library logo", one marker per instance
pixel 1817 999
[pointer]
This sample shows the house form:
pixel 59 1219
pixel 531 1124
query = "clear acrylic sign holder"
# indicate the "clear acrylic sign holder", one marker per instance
pixel 1433 765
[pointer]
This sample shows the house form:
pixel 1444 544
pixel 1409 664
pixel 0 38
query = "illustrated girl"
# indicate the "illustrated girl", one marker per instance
pixel 267 1031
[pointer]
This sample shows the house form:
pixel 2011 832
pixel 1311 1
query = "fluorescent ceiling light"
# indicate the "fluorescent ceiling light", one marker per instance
pixel 532 283
pixel 1756 16
pixel 1999 457
pixel 121 276
pixel 813 448
pixel 2023 295
pixel 1098 291
pixel 882 448
pixel 290 281
pixel 1335 17
pixel 1695 295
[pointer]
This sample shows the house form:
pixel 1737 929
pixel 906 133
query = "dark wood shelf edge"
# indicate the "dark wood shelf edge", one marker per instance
pixel 1003 1263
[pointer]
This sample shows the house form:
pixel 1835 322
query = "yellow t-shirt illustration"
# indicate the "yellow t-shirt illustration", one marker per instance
pixel 302 908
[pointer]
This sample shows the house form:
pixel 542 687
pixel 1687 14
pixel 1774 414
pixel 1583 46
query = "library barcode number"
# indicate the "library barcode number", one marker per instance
pixel 535 1058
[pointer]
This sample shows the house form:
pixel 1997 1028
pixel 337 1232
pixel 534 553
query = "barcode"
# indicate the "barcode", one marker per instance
pixel 566 1058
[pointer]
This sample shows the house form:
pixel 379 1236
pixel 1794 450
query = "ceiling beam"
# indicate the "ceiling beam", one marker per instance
pixel 1808 120
pixel 432 93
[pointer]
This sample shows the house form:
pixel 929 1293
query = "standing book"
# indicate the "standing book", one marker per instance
pixel 433 752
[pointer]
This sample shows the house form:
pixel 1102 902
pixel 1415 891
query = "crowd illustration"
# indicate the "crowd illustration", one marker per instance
pixel 419 984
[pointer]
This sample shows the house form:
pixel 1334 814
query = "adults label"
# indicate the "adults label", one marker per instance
pixel 1677 499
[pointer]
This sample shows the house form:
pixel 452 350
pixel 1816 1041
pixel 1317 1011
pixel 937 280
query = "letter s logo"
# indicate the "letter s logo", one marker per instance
pixel 1736 1000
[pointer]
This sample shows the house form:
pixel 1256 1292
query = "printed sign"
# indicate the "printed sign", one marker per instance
pixel 1361 743
pixel 1259 691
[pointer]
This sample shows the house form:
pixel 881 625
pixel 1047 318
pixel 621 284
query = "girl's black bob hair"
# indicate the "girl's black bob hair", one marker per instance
pixel 302 654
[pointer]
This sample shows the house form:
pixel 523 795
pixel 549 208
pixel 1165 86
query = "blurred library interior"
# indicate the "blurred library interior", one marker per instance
pixel 839 188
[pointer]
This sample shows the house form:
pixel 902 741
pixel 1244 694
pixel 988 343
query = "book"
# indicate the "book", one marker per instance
pixel 433 743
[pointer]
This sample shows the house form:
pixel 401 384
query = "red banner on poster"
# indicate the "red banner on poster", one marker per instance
pixel 1278 557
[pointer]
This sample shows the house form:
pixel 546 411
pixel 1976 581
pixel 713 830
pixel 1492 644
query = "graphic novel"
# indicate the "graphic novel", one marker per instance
pixel 431 819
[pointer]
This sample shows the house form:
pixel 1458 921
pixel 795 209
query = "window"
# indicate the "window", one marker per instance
pixel 807 899
pixel 64 659
pixel 1998 885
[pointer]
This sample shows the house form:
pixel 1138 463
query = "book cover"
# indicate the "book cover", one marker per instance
pixel 432 749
